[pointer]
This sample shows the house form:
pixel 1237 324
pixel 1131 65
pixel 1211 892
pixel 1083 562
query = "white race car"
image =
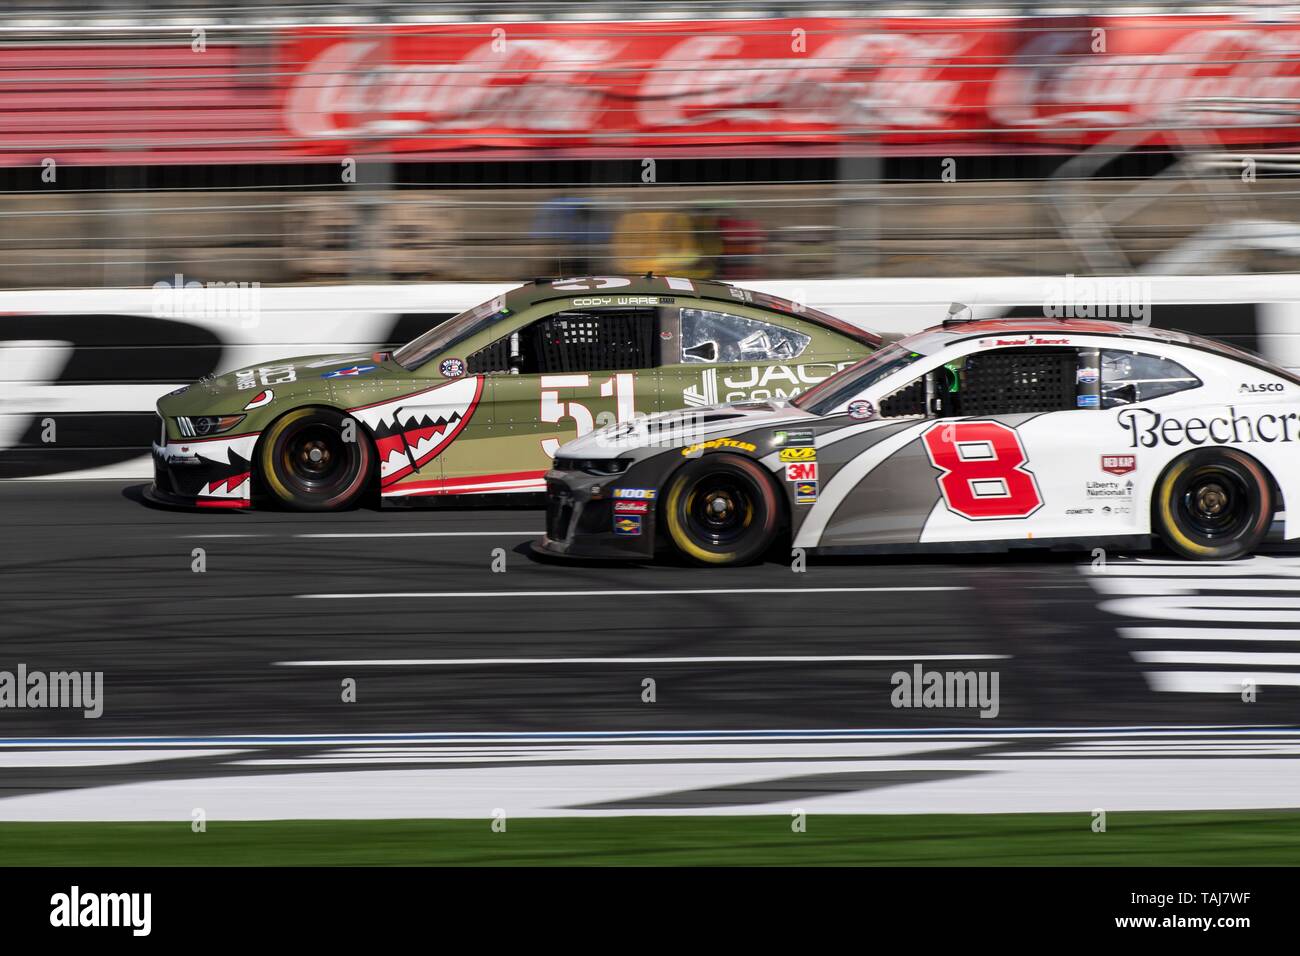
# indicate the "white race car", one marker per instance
pixel 971 435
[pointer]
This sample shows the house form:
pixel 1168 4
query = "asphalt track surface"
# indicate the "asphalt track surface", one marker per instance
pixel 94 579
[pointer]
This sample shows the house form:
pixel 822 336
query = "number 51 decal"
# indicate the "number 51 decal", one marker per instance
pixel 982 471
pixel 618 386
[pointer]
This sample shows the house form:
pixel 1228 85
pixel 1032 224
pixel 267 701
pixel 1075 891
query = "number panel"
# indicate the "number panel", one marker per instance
pixel 982 474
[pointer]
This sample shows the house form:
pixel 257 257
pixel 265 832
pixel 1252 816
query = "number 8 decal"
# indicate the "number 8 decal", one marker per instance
pixel 982 470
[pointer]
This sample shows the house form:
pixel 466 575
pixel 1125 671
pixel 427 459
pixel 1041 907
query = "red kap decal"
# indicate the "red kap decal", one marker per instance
pixel 1118 464
pixel 982 470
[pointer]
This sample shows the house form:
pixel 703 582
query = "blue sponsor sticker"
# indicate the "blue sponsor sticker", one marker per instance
pixel 352 371
pixel 452 368
pixel 1088 401
pixel 805 492
pixel 627 524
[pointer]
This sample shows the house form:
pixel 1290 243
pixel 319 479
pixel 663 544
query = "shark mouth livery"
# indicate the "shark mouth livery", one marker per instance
pixel 412 430
pixel 213 473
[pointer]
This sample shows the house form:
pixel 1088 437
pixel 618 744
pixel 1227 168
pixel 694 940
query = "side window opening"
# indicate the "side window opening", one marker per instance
pixel 708 336
pixel 1128 377
pixel 908 400
pixel 1009 381
pixel 594 341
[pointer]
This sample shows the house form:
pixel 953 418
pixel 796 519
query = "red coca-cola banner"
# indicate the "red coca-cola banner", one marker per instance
pixel 771 86
pixel 928 82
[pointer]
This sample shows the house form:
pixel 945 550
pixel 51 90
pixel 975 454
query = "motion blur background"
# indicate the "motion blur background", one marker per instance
pixel 458 141
pixel 412 159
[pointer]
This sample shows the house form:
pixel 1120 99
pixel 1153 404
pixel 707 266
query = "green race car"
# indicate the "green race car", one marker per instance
pixel 480 403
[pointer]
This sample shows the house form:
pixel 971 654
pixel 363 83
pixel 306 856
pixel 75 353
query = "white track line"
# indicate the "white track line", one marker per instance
pixel 761 659
pixel 1231 658
pixel 1217 682
pixel 1211 634
pixel 383 595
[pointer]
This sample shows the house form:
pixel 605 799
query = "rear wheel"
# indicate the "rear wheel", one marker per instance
pixel 1214 504
pixel 721 509
pixel 307 463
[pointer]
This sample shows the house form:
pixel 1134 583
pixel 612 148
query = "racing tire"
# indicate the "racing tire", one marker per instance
pixel 1213 505
pixel 306 465
pixel 721 510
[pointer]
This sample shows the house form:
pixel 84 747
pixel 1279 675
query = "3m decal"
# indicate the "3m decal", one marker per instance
pixel 981 470
pixel 801 471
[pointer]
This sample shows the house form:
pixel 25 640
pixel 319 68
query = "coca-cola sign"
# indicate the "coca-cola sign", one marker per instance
pixel 781 82
pixel 427 88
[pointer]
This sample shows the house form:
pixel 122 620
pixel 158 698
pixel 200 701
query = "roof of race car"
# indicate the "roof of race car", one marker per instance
pixel 1047 331
pixel 543 290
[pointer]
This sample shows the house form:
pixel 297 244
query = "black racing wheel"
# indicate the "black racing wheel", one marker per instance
pixel 1213 504
pixel 721 509
pixel 307 462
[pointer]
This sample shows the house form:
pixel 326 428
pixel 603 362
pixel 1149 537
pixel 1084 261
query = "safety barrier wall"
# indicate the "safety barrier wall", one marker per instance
pixel 94 361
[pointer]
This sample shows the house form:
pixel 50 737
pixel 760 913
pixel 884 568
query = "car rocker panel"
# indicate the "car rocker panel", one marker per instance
pixel 1079 433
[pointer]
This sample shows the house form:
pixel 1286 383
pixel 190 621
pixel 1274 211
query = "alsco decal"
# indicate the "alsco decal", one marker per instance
pixel 716 443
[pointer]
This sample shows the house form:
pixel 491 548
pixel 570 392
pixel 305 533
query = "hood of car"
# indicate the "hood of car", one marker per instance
pixel 270 382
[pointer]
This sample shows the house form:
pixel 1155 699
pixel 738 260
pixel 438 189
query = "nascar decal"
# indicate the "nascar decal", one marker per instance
pixel 412 430
pixel 981 473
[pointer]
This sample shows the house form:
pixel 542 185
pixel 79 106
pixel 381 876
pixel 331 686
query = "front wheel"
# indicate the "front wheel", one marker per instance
pixel 1214 504
pixel 308 463
pixel 721 509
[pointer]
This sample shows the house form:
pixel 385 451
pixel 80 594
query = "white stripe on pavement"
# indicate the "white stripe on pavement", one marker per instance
pixel 1211 633
pixel 637 593
pixel 1231 658
pixel 763 659
pixel 1217 682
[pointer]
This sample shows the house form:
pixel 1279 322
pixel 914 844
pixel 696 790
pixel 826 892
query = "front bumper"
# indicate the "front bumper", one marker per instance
pixel 203 473
pixel 589 516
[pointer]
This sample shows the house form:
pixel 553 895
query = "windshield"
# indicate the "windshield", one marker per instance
pixel 442 337
pixel 838 389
